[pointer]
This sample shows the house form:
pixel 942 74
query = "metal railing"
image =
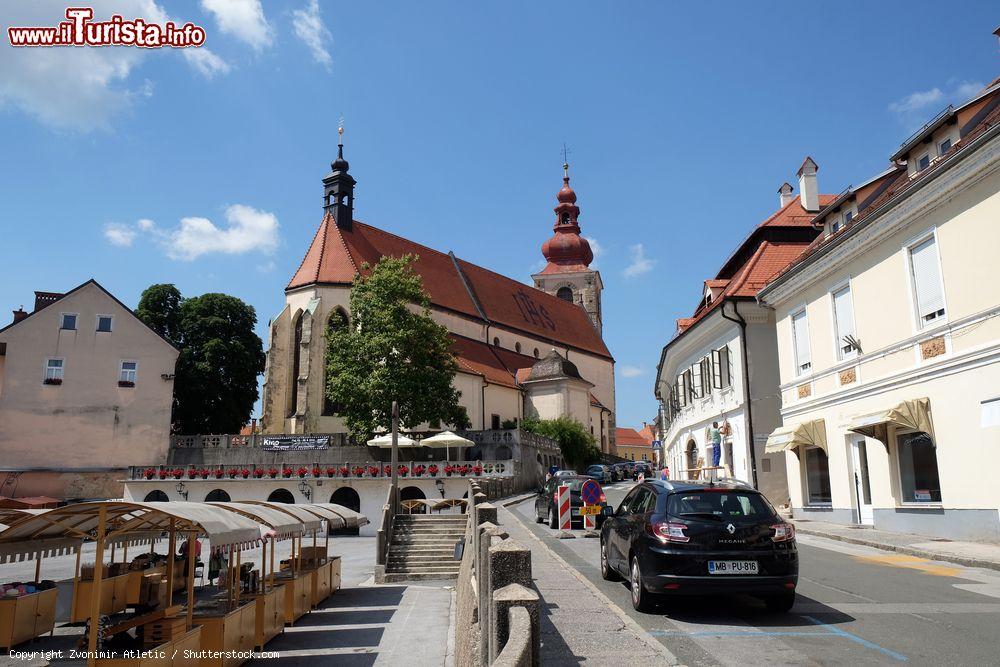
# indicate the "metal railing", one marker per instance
pixel 318 470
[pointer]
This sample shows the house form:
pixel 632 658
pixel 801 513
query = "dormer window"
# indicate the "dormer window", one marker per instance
pixel 923 162
pixel 944 146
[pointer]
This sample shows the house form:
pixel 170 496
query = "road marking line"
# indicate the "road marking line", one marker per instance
pixel 858 640
pixel 912 563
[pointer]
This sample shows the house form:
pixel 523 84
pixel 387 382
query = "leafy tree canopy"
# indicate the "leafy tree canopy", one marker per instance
pixel 215 385
pixel 576 443
pixel 392 350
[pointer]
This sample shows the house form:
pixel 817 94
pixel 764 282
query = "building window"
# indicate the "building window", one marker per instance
pixel 536 353
pixel 496 342
pixel 944 146
pixel 495 422
pixel 517 348
pixel 848 216
pixel 843 311
pixel 817 476
pixel 800 341
pixel 128 372
pixel 337 321
pixel 565 293
pixel 923 161
pixel 721 372
pixel 918 469
pixel 926 274
pixel 54 371
pixel 104 323
pixel 696 384
pixel 68 321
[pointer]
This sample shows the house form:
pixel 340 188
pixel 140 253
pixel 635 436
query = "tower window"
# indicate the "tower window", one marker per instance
pixel 564 218
pixel 565 293
pixel 517 348
pixel 496 342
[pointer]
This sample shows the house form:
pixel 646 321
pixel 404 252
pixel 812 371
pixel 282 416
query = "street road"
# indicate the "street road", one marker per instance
pixel 855 605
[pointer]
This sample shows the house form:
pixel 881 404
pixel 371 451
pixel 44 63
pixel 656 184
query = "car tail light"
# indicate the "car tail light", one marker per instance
pixel 783 532
pixel 603 498
pixel 670 532
pixel 555 497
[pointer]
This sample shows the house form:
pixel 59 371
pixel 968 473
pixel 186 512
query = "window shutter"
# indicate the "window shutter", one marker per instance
pixel 845 318
pixel 717 369
pixel 696 380
pixel 688 388
pixel 706 376
pixel 800 331
pixel 926 279
pixel 725 367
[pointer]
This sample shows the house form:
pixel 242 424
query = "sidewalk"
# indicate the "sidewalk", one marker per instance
pixel 970 554
pixel 580 624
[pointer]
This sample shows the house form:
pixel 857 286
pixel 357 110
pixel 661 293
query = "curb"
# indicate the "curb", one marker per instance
pixel 514 500
pixel 904 549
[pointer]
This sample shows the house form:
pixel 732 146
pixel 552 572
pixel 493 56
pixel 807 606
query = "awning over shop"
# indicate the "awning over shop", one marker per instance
pixel 912 414
pixel 810 433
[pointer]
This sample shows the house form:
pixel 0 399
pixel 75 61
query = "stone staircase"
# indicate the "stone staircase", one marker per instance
pixel 423 547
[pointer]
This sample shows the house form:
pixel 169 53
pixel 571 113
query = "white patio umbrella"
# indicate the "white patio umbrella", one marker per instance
pixel 385 441
pixel 447 439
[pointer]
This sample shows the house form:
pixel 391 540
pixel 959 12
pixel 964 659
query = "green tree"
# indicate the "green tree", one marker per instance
pixel 392 352
pixel 577 445
pixel 215 385
pixel 160 308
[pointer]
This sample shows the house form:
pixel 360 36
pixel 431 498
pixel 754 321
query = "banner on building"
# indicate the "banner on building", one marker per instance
pixel 293 442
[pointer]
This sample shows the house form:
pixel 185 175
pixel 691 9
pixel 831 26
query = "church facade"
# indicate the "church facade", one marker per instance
pixel 522 351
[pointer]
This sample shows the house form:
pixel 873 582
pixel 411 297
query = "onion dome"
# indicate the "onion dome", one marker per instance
pixel 567 251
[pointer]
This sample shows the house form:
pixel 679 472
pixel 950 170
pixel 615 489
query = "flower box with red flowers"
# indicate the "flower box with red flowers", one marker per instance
pixel 317 471
pixel 331 471
pixel 163 474
pixel 192 473
pixel 464 469
pixel 220 473
pixel 258 473
pixel 273 472
pixel 419 470
pixel 149 473
pixel 245 473
pixel 233 472
pixel 449 469
pixel 344 471
pixel 286 472
pixel 205 472
pixel 373 471
pixel 177 473
pixel 477 470
pixel 358 471
pixel 403 471
pixel 432 469
pixel 386 470
pixel 302 471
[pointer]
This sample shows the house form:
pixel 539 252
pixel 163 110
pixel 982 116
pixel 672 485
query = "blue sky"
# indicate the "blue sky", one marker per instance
pixel 203 169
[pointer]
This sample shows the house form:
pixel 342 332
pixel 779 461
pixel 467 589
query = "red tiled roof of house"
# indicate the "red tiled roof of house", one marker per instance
pixel 596 403
pixel 496 365
pixel 629 437
pixel 793 215
pixel 336 255
pixel 646 433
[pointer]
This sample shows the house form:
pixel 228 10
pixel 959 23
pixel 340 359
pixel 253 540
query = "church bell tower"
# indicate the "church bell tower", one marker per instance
pixel 338 188
pixel 567 274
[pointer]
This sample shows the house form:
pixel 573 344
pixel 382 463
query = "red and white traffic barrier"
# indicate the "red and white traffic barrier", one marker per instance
pixel 565 513
pixel 589 521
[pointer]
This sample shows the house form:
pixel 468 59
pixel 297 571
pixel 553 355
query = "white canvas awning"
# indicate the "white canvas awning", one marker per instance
pixel 281 523
pixel 351 518
pixel 447 439
pixel 385 441
pixel 809 433
pixel 332 519
pixel 913 414
pixel 309 520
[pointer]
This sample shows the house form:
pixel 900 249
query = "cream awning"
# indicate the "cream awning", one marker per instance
pixel 309 520
pixel 282 523
pixel 912 414
pixel 350 517
pixel 810 433
pixel 333 520
pixel 385 441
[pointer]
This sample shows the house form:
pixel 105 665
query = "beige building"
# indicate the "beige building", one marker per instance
pixel 889 340
pixel 501 328
pixel 85 391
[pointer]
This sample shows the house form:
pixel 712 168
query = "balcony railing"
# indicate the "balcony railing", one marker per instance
pixel 343 471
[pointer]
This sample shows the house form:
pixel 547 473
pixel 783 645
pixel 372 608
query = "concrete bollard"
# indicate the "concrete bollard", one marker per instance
pixel 489 535
pixel 485 512
pixel 514 595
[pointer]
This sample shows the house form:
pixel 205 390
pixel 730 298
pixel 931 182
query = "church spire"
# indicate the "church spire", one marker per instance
pixel 567 250
pixel 338 187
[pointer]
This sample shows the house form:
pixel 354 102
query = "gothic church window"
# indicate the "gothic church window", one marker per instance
pixel 565 293
pixel 338 320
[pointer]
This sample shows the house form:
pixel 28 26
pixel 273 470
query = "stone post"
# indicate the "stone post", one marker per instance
pixel 514 595
pixel 506 562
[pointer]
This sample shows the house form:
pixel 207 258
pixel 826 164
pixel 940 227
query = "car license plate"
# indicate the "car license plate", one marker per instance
pixel 732 567
pixel 575 512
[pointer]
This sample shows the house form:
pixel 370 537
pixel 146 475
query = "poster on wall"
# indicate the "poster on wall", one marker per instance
pixel 294 442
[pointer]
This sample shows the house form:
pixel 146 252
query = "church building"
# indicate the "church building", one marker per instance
pixel 522 351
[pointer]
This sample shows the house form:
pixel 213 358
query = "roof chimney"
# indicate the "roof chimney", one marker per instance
pixel 785 194
pixel 808 189
pixel 19 314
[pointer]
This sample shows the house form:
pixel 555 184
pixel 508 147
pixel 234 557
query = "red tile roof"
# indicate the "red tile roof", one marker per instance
pixel 336 255
pixel 647 434
pixel 629 437
pixel 495 365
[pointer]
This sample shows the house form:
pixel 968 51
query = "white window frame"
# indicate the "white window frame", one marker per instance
pixel 918 322
pixel 839 353
pixel 799 372
pixel 806 502
pixel 62 368
pixel 76 322
pixel 897 470
pixel 134 371
pixel 97 323
pixel 941 143
pixel 696 381
pixel 916 161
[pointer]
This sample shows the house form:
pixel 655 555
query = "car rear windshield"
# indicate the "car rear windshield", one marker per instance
pixel 735 506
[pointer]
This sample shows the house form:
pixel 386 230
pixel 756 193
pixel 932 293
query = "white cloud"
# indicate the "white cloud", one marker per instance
pixel 966 90
pixel 145 224
pixel 914 110
pixel 248 230
pixel 917 101
pixel 267 267
pixel 119 234
pixel 243 19
pixel 80 89
pixel 596 247
pixel 310 29
pixel 205 62
pixel 640 263
pixel 631 371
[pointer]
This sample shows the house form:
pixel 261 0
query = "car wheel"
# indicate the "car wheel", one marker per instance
pixel 607 572
pixel 538 517
pixel 552 519
pixel 642 600
pixel 780 603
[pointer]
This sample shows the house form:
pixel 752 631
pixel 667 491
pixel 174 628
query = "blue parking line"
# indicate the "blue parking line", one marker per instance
pixel 858 640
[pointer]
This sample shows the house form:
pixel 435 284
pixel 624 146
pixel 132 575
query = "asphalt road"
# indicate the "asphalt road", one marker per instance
pixel 855 605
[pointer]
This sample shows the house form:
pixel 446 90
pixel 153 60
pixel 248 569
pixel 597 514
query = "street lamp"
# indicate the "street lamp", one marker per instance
pixel 305 489
pixel 181 491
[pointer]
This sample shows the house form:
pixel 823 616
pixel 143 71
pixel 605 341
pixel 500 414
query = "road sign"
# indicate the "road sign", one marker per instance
pixel 590 492
pixel 657 444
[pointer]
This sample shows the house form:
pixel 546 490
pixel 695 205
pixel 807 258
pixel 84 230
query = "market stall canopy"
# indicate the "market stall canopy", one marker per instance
pixel 385 441
pixel 447 439
pixel 332 519
pixel 351 518
pixel 281 523
pixel 126 522
pixel 912 414
pixel 810 433
pixel 309 520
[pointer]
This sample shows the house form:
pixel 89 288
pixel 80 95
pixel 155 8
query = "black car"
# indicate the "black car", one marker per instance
pixel 545 501
pixel 685 538
pixel 644 468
